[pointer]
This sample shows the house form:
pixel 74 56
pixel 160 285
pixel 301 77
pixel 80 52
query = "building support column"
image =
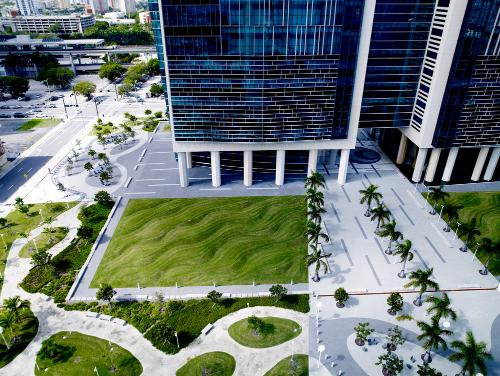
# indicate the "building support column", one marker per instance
pixel 343 164
pixel 313 161
pixel 247 167
pixel 280 167
pixel 433 162
pixel 72 62
pixel 481 159
pixel 450 163
pixel 492 164
pixel 403 145
pixel 215 163
pixel 419 165
pixel 189 159
pixel 183 174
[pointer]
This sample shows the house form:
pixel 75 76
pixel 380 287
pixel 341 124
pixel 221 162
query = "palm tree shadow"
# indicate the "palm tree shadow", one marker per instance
pixel 336 274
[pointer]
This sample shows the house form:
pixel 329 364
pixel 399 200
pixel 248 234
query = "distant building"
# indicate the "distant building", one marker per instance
pixel 117 18
pixel 26 7
pixel 114 4
pixel 75 23
pixel 63 4
pixel 3 154
pixel 26 43
pixel 127 6
pixel 144 18
pixel 99 6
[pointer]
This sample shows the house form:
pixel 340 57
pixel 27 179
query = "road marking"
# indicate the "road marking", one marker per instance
pixel 10 187
pixel 381 250
pixel 19 169
pixel 139 160
pixel 397 196
pixel 216 189
pixel 262 188
pixel 373 270
pixel 143 152
pixel 150 139
pixel 161 152
pixel 361 228
pixel 139 193
pixel 435 250
pixel 31 168
pixel 345 193
pixel 150 179
pixel 335 212
pixel 136 167
pixel 153 163
pixel 406 214
pixel 421 259
pixel 128 182
pixel 162 185
pixel 346 252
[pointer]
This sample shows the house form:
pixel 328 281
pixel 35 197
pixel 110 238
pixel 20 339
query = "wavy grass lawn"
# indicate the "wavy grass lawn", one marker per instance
pixel 298 366
pixel 234 240
pixel 213 363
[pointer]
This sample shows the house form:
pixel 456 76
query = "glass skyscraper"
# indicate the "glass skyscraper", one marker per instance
pixel 289 82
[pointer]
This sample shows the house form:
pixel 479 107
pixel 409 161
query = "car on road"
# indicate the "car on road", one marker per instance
pixel 55 97
pixel 51 106
pixel 37 110
pixel 20 115
pixel 38 96
pixel 4 116
pixel 4 107
pixel 16 107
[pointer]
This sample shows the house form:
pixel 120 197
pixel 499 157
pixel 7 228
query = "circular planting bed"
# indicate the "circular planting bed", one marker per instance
pixel 267 332
pixel 364 156
pixel 73 353
pixel 298 366
pixel 213 363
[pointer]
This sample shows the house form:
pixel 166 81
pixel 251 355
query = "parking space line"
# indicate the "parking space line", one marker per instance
pixel 373 270
pixel 435 250
pixel 345 193
pixel 381 250
pixel 397 196
pixel 150 179
pixel 262 188
pixel 347 252
pixel 420 258
pixel 406 214
pixel 139 193
pixel 335 212
pixel 162 185
pixel 361 228
pixel 216 189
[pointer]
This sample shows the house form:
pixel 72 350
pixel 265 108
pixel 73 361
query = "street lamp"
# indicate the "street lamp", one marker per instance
pixel 321 348
pixel 1 333
pixel 64 105
pixel 4 244
pixel 474 256
pixel 456 231
pixel 177 338
pixel 96 110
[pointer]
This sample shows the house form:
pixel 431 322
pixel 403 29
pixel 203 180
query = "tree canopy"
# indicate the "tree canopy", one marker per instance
pixel 56 76
pixel 156 90
pixel 15 86
pixel 84 88
pixel 153 67
pixel 111 71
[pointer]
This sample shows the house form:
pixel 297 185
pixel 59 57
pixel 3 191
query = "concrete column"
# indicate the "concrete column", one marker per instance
pixel 419 164
pixel 343 164
pixel 71 61
pixel 189 159
pixel 333 157
pixel 433 162
pixel 247 167
pixel 280 167
pixel 492 164
pixel 403 145
pixel 481 159
pixel 450 163
pixel 215 162
pixel 183 174
pixel 313 161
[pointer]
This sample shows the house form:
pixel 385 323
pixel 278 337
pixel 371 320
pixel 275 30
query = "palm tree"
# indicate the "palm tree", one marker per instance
pixel 436 195
pixel 15 305
pixel 388 230
pixel 403 250
pixel 468 231
pixel 450 212
pixel 317 257
pixel 315 181
pixel 492 249
pixel 432 335
pixel 421 279
pixel 441 307
pixel 369 195
pixel 314 233
pixel 8 322
pixel 315 198
pixel 381 214
pixel 471 353
pixel 314 213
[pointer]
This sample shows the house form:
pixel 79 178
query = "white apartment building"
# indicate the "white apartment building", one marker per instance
pixel 75 23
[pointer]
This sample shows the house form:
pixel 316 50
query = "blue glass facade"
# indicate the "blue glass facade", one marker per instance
pixel 470 110
pixel 397 48
pixel 259 70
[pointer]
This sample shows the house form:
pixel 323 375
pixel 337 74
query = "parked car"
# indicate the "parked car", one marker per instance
pixel 20 115
pixel 4 116
pixel 4 107
pixel 53 98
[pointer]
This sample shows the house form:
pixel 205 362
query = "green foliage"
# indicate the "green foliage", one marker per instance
pixel 256 324
pixel 15 86
pixel 187 318
pixel 156 90
pixel 215 296
pixel 162 336
pixel 41 258
pixel 211 363
pixel 104 198
pixel 278 291
pixel 111 71
pixel 363 330
pixel 135 73
pixel 125 88
pixel 395 336
pixel 427 370
pixel 55 351
pixel 56 76
pixel 153 66
pixel 105 292
pixel 119 34
pixel 391 363
pixel 158 114
pixel 85 88
pixel 54 28
pixel 395 302
pixel 341 295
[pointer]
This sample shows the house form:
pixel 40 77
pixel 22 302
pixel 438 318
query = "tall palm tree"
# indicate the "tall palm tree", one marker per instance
pixel 470 232
pixel 315 181
pixel 492 249
pixel 441 307
pixel 436 195
pixel 314 233
pixel 317 257
pixel 15 305
pixel 432 335
pixel 369 195
pixel 421 279
pixel 315 198
pixel 472 354
pixel 8 322
pixel 314 213
pixel 388 230
pixel 403 250
pixel 450 212
pixel 381 214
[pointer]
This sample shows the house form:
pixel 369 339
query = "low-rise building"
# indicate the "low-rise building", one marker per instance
pixel 74 23
pixel 26 43
pixel 3 154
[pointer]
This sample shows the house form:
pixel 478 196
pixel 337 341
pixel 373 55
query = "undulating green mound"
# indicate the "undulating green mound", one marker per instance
pixel 298 366
pixel 213 363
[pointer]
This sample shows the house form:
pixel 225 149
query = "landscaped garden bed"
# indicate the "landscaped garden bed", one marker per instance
pixel 298 365
pixel 46 240
pixel 202 241
pixel 212 363
pixel 75 354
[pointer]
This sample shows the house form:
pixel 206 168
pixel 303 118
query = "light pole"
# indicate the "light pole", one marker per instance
pixel 4 244
pixel 456 231
pixel 116 91
pixel 177 338
pixel 474 256
pixel 40 211
pixel 34 242
pixel 95 370
pixel 321 348
pixel 64 105
pixel 441 212
pixel 96 110
pixel 1 333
